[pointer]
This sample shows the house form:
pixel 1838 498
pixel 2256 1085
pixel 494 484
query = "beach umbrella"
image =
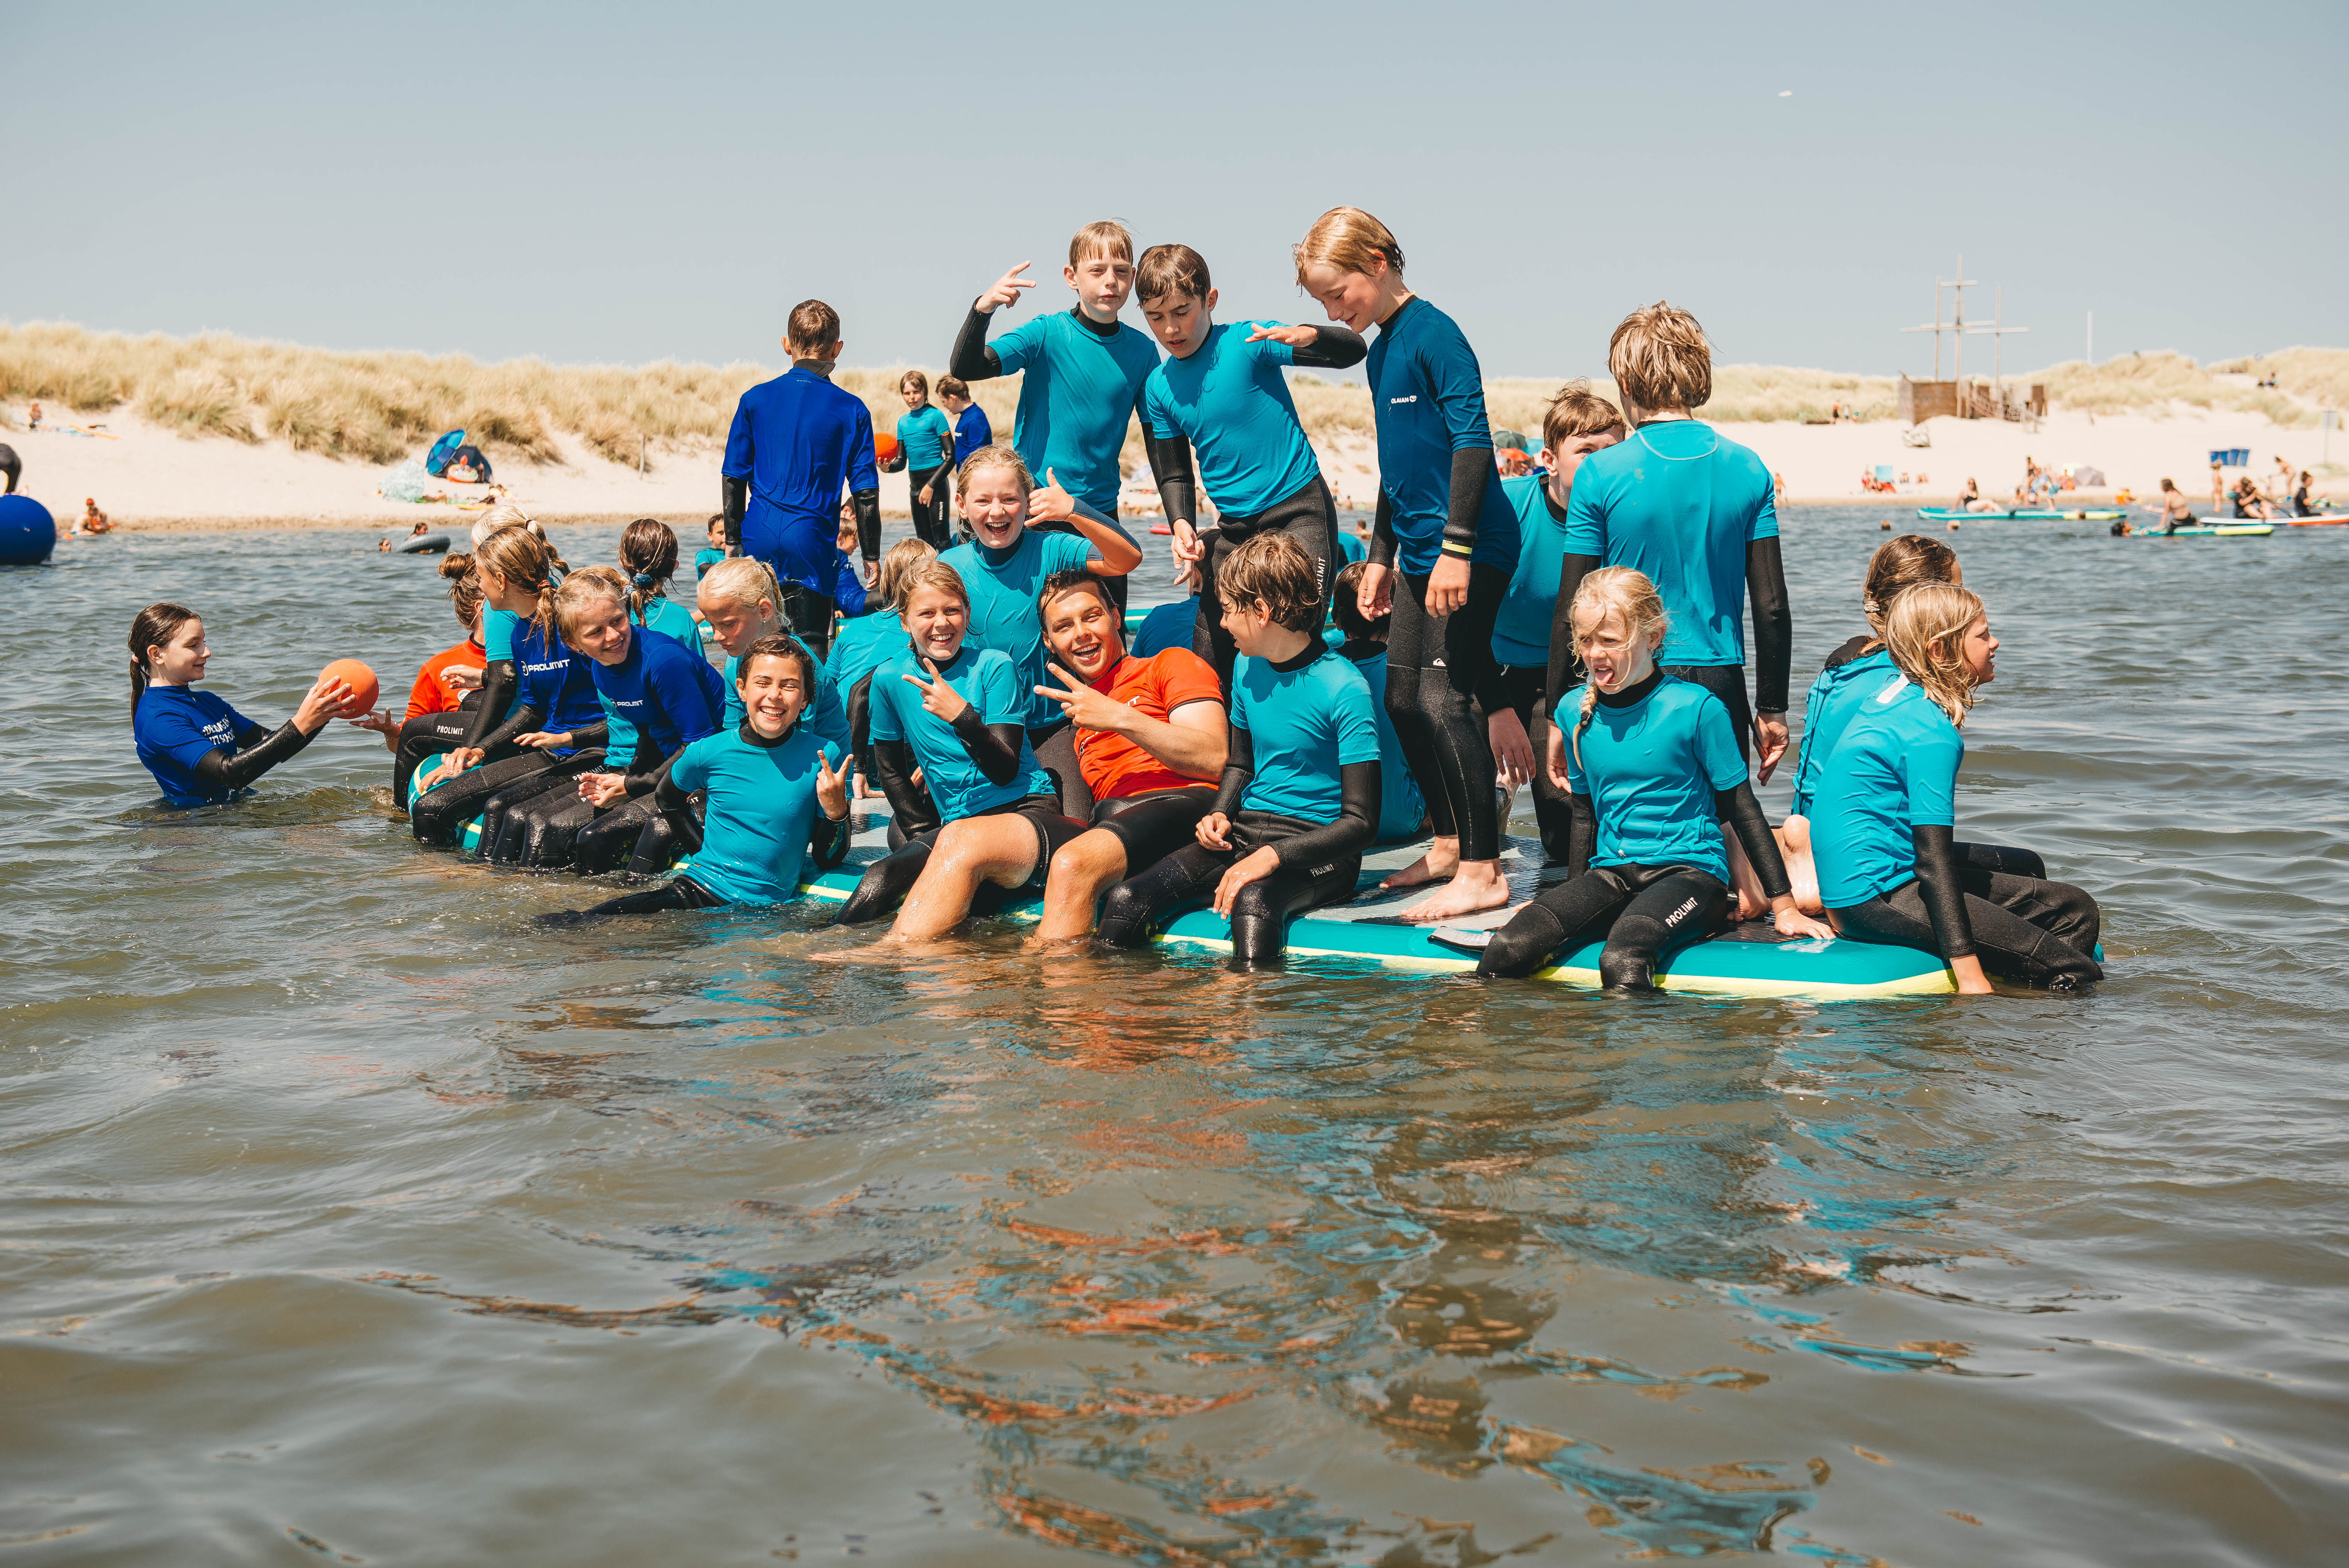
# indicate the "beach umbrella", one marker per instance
pixel 436 462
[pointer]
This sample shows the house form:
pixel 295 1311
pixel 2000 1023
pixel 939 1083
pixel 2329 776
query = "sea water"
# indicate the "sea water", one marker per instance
pixel 352 1217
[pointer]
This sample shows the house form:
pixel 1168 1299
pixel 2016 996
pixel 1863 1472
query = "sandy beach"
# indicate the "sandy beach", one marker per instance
pixel 147 477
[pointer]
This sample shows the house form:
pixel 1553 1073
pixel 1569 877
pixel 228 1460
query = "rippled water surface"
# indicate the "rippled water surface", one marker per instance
pixel 350 1217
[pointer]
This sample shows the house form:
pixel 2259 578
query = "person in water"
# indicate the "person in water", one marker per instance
pixel 1299 800
pixel 446 686
pixel 865 644
pixel 1577 424
pixel 1883 817
pixel 1444 527
pixel 201 751
pixel 772 798
pixel 1151 737
pixel 2175 511
pixel 1652 769
pixel 742 604
pixel 928 443
pixel 1223 394
pixel 1004 567
pixel 1970 500
pixel 649 561
pixel 1081 374
pixel 796 442
pixel 955 712
pixel 971 430
pixel 1402 811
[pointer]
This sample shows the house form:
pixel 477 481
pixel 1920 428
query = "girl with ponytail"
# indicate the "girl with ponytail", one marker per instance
pixel 1883 820
pixel 1652 771
pixel 201 750
pixel 648 560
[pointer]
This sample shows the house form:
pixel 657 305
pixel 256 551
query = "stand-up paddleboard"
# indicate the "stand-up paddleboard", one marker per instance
pixel 2205 531
pixel 424 544
pixel 2028 514
pixel 2331 519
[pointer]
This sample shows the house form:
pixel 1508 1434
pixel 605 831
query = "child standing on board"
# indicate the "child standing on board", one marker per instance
pixel 927 441
pixel 1082 373
pixel 1650 770
pixel 1299 797
pixel 1443 524
pixel 1223 392
pixel 1577 423
pixel 796 442
pixel 1883 818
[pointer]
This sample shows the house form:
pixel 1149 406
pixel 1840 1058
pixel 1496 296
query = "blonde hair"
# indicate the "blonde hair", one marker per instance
pixel 997 456
pixel 1661 359
pixel 521 555
pixel 743 581
pixel 502 516
pixel 1347 239
pixel 1106 235
pixel 1577 410
pixel 906 558
pixel 936 573
pixel 584 587
pixel 1608 591
pixel 1923 630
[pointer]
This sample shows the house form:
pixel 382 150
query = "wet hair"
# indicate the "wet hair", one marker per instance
pixel 1606 593
pixel 522 556
pixel 1898 565
pixel 465 589
pixel 952 387
pixel 813 324
pixel 1577 410
pixel 1347 239
pixel 743 581
pixel 914 379
pixel 906 557
pixel 1923 630
pixel 1171 269
pixel 648 555
pixel 1106 236
pixel 1272 570
pixel 780 646
pixel 997 456
pixel 1660 358
pixel 1077 579
pixel 152 628
pixel 938 574
pixel 1346 605
pixel 588 585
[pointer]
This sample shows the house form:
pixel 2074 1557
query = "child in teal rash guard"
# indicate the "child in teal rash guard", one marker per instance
pixel 1223 392
pixel 648 560
pixel 928 444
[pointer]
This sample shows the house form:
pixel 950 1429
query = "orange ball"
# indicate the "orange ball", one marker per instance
pixel 358 678
pixel 884 447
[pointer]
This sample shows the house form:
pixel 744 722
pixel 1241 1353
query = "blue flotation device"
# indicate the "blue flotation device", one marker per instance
pixel 436 462
pixel 27 532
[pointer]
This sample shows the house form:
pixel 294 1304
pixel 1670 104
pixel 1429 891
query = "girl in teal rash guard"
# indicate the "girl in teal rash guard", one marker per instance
pixel 1444 525
pixel 928 442
pixel 648 560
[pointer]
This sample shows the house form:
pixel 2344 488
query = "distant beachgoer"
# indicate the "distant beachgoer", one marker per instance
pixel 1973 499
pixel 2175 511
pixel 927 441
pixel 2280 483
pixel 12 467
pixel 2248 505
pixel 2218 488
pixel 2301 505
pixel 92 520
pixel 971 430
pixel 35 415
pixel 467 466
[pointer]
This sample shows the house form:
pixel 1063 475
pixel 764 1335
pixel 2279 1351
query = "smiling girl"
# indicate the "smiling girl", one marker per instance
pixel 201 750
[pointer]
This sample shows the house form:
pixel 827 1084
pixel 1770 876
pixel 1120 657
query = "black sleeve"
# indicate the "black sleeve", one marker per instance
pixel 1565 669
pixel 668 796
pixel 1383 539
pixel 521 721
pixel 828 840
pixel 1743 812
pixel 651 778
pixel 1334 348
pixel 994 746
pixel 225 769
pixel 860 724
pixel 1348 833
pixel 1240 767
pixel 1581 834
pixel 972 359
pixel 497 695
pixel 893 766
pixel 1773 625
pixel 1945 895
pixel 1170 464
pixel 588 734
pixel 868 523
pixel 1472 470
pixel 734 500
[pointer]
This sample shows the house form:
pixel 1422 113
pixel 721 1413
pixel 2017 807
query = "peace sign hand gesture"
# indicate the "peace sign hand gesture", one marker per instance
pixel 1005 289
pixel 830 788
pixel 1089 708
pixel 938 699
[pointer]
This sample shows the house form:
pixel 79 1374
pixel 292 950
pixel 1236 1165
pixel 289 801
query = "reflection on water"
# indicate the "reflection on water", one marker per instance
pixel 353 1213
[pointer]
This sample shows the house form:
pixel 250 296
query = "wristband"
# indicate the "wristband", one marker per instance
pixel 1463 549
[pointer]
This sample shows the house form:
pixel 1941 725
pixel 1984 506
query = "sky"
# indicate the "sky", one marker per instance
pixel 598 182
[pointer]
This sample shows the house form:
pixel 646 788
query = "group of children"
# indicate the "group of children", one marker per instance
pixel 1579 629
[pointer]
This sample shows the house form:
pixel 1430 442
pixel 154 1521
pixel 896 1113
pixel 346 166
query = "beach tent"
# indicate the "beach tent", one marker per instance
pixel 2233 458
pixel 436 462
pixel 2086 476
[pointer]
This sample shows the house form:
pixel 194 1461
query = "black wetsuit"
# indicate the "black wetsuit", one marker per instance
pixel 1993 904
pixel 808 613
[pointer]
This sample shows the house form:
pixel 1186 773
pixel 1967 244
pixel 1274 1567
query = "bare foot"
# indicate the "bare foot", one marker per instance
pixel 1442 859
pixel 1478 885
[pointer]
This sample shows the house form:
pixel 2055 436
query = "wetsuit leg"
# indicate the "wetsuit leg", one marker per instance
pixel 809 614
pixel 437 817
pixel 605 843
pixel 682 893
pixel 887 880
pixel 548 825
pixel 2032 932
pixel 1523 684
pixel 1261 910
pixel 669 835
pixel 1680 906
pixel 426 735
pixel 930 521
pixel 1566 913
pixel 1055 746
pixel 1435 665
pixel 1153 827
pixel 504 832
pixel 1726 682
pixel 1309 517
pixel 1142 903
pixel 2005 858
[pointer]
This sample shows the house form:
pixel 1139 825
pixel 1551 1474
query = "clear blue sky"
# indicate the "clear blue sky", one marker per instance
pixel 605 182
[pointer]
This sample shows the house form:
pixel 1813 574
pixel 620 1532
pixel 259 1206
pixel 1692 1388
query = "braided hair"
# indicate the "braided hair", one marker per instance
pixel 1606 594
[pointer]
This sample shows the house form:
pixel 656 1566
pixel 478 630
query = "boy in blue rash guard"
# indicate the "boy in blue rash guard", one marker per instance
pixel 928 443
pixel 1004 566
pixel 1652 770
pixel 1170 625
pixel 1402 812
pixel 1576 425
pixel 796 441
pixel 1223 392
pixel 971 430
pixel 1884 819
pixel 1299 797
pixel 1080 371
pixel 1443 523
pixel 201 750
pixel 956 712
pixel 771 796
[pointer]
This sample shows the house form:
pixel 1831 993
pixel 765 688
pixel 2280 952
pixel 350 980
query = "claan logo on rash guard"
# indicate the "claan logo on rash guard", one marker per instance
pixel 1412 398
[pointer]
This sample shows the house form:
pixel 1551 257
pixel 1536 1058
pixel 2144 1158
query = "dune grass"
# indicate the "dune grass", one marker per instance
pixel 380 407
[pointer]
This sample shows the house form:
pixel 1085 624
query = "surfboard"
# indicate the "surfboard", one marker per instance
pixel 2331 521
pixel 2033 514
pixel 2206 530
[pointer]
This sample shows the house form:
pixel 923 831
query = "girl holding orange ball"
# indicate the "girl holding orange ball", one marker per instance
pixel 200 749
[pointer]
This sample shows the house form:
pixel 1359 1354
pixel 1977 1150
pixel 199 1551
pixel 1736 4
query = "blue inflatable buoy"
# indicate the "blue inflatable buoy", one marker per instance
pixel 27 532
